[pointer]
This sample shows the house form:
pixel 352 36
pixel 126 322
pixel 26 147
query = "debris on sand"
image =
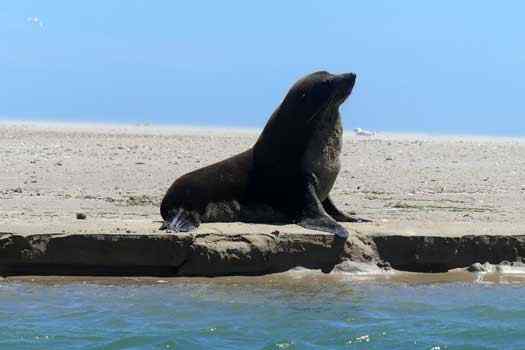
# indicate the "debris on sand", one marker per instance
pixel 81 216
pixel 361 132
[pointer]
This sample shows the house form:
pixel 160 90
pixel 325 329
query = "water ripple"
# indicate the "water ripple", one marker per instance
pixel 206 315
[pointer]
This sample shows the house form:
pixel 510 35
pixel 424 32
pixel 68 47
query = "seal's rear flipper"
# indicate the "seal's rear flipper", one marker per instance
pixel 181 221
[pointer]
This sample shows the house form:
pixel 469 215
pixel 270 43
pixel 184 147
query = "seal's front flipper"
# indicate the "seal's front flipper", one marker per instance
pixel 313 215
pixel 338 215
pixel 325 224
pixel 181 221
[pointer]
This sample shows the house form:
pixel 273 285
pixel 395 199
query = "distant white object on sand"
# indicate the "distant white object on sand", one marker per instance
pixel 361 132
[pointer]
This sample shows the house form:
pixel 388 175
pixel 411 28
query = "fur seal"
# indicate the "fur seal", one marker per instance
pixel 285 177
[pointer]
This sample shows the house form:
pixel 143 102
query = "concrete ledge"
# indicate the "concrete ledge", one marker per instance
pixel 440 254
pixel 240 249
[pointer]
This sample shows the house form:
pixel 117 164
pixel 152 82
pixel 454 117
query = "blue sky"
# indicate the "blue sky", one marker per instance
pixel 436 67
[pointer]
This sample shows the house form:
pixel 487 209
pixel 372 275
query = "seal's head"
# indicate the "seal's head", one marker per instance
pixel 312 104
pixel 318 91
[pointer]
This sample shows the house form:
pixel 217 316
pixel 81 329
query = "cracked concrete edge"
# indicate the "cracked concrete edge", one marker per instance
pixel 440 254
pixel 200 254
pixel 219 254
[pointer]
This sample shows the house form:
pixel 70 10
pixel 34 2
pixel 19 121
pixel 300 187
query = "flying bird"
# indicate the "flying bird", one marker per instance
pixel 34 20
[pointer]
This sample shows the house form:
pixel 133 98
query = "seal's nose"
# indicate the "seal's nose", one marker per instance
pixel 348 78
pixel 346 84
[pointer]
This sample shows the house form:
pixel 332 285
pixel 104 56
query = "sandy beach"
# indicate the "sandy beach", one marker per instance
pixel 117 175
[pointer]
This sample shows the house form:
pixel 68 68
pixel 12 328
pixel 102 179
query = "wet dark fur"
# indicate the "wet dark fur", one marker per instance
pixel 285 177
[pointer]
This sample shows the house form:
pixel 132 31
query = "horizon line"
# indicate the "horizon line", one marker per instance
pixel 199 129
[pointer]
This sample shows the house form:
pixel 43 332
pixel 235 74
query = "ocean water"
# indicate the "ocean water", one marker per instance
pixel 279 312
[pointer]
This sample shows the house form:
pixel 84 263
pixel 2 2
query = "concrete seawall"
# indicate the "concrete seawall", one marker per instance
pixel 241 249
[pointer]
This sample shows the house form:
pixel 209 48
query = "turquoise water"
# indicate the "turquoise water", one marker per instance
pixel 266 314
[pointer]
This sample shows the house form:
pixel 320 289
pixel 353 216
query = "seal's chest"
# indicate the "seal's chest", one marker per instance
pixel 322 154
